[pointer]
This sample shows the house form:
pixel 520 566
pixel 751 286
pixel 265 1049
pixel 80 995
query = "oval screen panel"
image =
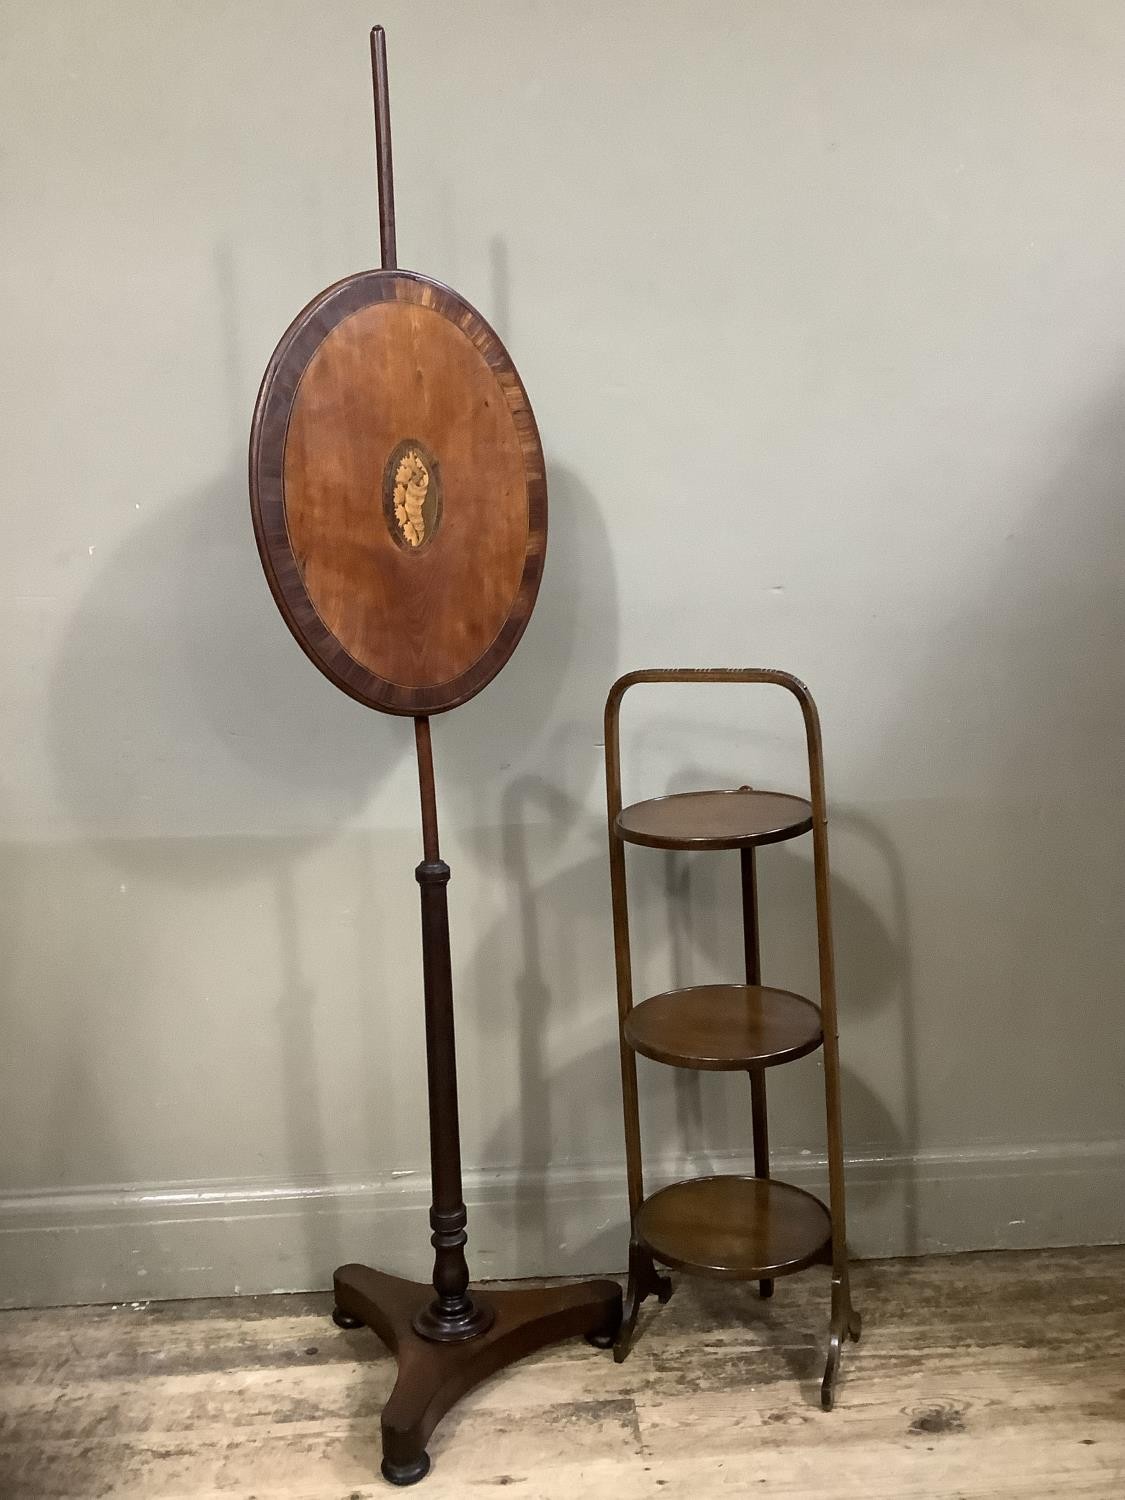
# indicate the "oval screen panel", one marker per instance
pixel 398 492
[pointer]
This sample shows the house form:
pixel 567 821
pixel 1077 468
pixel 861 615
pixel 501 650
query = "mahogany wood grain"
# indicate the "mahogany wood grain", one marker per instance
pixel 715 1027
pixel 380 358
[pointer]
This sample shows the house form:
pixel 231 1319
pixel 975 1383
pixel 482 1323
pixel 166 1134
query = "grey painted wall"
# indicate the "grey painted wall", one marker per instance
pixel 822 309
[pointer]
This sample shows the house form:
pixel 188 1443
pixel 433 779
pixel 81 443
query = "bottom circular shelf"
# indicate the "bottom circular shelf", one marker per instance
pixel 735 1228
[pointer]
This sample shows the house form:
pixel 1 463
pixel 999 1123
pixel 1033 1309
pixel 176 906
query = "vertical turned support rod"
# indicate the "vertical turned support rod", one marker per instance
pixel 754 976
pixel 452 1316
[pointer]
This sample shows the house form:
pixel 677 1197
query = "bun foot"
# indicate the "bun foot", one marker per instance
pixel 408 1473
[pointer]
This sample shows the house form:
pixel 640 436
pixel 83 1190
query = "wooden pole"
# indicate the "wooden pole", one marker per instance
pixel 452 1315
pixel 388 249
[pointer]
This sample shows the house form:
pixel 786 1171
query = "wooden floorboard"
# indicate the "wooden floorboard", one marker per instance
pixel 998 1376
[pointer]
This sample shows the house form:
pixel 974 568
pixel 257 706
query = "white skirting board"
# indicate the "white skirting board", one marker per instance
pixel 143 1243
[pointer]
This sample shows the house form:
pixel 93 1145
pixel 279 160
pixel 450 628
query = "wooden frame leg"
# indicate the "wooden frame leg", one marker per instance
pixel 644 1281
pixel 845 1322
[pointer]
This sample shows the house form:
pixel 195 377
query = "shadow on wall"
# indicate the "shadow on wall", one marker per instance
pixel 187 729
pixel 570 1108
pixel 1012 727
pixel 181 707
pixel 558 678
pixel 198 748
pixel 570 1100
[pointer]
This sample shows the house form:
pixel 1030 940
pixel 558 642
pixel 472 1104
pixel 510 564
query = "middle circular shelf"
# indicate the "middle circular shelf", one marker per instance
pixel 724 1027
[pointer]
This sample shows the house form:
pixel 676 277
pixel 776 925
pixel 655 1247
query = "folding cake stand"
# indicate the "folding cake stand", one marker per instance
pixel 400 507
pixel 730 1227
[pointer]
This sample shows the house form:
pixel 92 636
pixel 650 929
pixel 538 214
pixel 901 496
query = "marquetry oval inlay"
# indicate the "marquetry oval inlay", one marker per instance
pixel 412 494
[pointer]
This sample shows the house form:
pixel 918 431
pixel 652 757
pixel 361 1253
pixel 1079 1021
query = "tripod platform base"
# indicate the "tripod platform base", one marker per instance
pixel 432 1376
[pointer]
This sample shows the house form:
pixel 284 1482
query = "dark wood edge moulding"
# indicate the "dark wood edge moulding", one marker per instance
pixel 267 488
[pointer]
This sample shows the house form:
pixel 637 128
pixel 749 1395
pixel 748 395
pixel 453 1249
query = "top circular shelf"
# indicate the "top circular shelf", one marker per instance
pixel 715 820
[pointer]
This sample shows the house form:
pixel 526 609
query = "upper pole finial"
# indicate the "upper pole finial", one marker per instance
pixel 387 247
